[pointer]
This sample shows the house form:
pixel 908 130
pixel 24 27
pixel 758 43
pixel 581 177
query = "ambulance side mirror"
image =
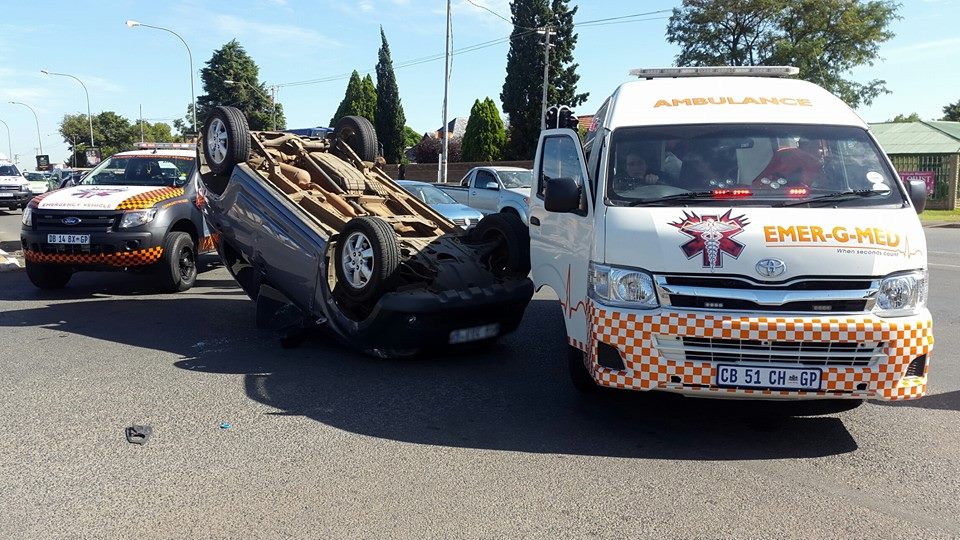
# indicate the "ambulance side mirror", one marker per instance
pixel 562 195
pixel 918 194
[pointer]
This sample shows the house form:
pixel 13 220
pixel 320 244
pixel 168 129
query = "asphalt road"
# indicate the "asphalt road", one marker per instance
pixel 324 442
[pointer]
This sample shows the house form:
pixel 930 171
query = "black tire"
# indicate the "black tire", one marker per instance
pixel 579 376
pixel 352 261
pixel 358 133
pixel 178 264
pixel 511 256
pixel 46 276
pixel 226 139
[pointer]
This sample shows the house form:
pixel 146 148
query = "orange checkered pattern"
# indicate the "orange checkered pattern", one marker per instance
pixel 150 198
pixel 634 336
pixel 142 257
pixel 208 243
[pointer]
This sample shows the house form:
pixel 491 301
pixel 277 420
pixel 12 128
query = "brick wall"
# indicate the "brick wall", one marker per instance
pixel 427 172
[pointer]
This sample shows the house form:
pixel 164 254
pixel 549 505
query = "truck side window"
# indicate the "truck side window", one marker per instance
pixel 483 178
pixel 560 158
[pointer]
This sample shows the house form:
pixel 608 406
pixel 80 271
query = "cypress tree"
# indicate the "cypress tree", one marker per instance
pixel 360 99
pixel 522 93
pixel 390 120
pixel 485 136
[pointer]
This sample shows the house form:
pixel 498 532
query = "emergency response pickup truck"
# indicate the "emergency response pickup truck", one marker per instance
pixel 136 211
pixel 733 232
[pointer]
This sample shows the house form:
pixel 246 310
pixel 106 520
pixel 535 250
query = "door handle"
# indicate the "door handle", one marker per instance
pixel 535 221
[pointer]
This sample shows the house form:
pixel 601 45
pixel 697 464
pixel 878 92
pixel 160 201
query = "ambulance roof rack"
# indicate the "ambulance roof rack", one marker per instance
pixel 721 71
pixel 165 146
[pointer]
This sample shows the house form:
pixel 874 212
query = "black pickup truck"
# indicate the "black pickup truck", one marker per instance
pixel 316 224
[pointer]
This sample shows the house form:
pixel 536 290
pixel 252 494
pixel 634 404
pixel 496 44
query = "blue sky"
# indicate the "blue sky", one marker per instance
pixel 297 40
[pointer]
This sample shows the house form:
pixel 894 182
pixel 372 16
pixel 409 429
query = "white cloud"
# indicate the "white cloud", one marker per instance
pixel 948 45
pixel 288 34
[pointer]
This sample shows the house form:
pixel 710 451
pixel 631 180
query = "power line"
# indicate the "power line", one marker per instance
pixel 636 17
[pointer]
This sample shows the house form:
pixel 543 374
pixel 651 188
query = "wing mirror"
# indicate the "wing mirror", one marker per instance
pixel 918 194
pixel 491 185
pixel 562 195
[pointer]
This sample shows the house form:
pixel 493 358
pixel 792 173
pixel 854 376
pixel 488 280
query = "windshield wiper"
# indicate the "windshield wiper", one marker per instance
pixel 690 195
pixel 834 197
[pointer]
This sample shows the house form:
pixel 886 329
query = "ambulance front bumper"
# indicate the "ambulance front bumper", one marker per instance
pixel 708 354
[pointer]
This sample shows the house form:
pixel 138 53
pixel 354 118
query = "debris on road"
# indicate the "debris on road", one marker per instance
pixel 138 434
pixel 8 262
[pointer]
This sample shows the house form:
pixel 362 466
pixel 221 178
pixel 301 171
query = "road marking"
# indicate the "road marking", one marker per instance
pixel 944 265
pixel 945 252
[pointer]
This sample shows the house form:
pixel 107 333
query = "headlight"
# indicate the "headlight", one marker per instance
pixel 136 218
pixel 902 294
pixel 625 287
pixel 27 217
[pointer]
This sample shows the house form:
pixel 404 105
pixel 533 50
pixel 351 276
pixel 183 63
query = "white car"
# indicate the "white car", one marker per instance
pixel 14 188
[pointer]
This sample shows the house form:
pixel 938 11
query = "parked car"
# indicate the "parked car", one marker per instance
pixel 783 260
pixel 38 182
pixel 14 188
pixel 313 227
pixel 494 189
pixel 460 214
pixel 136 211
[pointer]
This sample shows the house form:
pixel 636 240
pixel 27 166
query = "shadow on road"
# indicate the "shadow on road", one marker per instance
pixel 947 401
pixel 514 397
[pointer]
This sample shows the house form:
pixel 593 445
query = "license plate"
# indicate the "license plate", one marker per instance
pixel 68 238
pixel 6 195
pixel 476 333
pixel 768 377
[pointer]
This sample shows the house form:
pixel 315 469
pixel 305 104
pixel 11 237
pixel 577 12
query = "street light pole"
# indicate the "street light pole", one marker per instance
pixel 9 144
pixel 446 93
pixel 35 118
pixel 89 116
pixel 193 98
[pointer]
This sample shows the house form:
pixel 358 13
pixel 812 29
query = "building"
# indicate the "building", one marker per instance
pixel 457 127
pixel 926 150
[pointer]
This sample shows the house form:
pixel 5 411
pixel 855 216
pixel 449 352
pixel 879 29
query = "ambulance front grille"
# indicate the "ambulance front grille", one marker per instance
pixel 748 351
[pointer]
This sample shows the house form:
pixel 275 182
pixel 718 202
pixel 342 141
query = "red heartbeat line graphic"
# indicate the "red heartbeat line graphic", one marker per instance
pixel 569 310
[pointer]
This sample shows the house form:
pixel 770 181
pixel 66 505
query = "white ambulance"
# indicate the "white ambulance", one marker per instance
pixel 733 232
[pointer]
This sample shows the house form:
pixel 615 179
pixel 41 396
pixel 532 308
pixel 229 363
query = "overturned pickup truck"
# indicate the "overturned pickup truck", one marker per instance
pixel 316 224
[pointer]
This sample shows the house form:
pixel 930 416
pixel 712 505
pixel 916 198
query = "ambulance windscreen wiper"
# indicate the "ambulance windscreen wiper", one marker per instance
pixel 690 195
pixel 835 197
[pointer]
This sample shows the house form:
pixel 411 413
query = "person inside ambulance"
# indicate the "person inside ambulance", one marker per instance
pixel 633 173
pixel 793 166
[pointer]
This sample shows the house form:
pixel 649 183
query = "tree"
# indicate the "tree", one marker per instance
pixel 410 137
pixel 824 38
pixel 390 119
pixel 952 112
pixel 484 137
pixel 360 99
pixel 429 148
pixel 112 133
pixel 912 117
pixel 522 93
pixel 232 63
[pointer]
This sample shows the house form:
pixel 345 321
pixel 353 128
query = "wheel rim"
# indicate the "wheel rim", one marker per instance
pixel 347 136
pixel 356 260
pixel 217 140
pixel 186 264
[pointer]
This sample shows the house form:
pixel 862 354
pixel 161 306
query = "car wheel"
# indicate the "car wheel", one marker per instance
pixel 358 133
pixel 366 258
pixel 46 276
pixel 178 265
pixel 510 244
pixel 579 375
pixel 226 139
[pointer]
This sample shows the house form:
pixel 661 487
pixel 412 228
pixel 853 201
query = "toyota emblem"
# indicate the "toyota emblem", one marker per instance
pixel 771 267
pixel 71 221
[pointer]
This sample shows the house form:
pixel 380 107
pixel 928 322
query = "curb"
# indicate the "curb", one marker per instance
pixel 942 225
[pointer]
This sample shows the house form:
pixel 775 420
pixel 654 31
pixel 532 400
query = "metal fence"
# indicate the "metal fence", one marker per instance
pixel 944 167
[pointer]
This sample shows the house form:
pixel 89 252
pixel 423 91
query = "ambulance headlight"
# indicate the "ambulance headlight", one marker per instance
pixel 136 218
pixel 623 287
pixel 902 294
pixel 27 217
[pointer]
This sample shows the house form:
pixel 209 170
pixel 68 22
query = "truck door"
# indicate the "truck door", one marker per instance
pixel 560 243
pixel 485 192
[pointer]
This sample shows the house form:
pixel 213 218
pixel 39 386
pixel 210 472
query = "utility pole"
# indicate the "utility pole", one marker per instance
pixel 273 103
pixel 546 32
pixel 141 122
pixel 446 91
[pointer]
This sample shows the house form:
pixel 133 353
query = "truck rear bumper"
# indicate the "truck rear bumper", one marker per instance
pixel 858 357
pixel 422 320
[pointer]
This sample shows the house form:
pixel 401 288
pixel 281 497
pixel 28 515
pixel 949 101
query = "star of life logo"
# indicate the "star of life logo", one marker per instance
pixel 711 237
pixel 89 193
